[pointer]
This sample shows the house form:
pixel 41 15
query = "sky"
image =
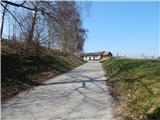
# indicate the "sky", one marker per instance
pixel 124 28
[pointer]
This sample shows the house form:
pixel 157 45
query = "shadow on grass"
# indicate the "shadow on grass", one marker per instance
pixel 15 67
pixel 111 87
pixel 154 115
pixel 19 71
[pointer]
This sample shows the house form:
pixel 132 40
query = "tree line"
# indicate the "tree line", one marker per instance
pixel 53 24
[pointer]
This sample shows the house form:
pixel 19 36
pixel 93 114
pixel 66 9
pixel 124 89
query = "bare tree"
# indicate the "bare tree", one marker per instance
pixel 56 24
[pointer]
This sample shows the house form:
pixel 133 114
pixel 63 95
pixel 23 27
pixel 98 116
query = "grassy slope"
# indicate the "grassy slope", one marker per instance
pixel 21 70
pixel 136 85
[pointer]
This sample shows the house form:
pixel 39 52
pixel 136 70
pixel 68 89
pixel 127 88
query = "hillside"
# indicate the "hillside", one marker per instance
pixel 22 70
pixel 135 85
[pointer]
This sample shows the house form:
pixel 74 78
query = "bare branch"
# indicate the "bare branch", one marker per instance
pixel 12 15
pixel 32 9
pixel 19 5
pixel 2 24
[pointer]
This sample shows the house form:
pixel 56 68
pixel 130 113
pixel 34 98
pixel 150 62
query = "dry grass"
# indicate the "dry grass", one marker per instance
pixel 136 86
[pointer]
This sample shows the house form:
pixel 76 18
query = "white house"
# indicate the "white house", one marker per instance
pixel 96 55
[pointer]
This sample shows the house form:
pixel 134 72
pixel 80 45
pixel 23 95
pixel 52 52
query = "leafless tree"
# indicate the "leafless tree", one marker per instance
pixel 51 23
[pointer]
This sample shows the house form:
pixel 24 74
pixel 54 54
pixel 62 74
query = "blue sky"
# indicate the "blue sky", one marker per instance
pixel 126 28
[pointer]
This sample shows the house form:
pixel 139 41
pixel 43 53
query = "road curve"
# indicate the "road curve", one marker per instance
pixel 80 94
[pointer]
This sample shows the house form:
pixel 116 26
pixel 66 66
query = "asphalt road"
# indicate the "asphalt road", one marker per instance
pixel 80 94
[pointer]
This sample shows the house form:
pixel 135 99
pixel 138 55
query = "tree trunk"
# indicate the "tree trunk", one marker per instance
pixel 49 38
pixel 31 31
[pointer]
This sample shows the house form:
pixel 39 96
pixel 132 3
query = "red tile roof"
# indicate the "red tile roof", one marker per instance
pixel 106 53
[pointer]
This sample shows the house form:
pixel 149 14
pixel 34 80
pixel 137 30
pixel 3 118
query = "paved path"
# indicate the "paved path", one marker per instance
pixel 80 94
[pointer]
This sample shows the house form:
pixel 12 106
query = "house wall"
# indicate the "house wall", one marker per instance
pixel 92 57
pixel 97 57
pixel 86 57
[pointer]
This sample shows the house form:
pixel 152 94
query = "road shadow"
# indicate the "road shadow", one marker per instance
pixel 83 82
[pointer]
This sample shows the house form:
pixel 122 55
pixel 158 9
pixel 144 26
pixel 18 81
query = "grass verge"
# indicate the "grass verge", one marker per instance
pixel 22 70
pixel 135 84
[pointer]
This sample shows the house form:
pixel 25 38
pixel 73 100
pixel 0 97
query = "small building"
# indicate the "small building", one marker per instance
pixel 96 55
pixel 106 54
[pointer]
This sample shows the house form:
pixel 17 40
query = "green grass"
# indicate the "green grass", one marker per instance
pixel 136 86
pixel 16 64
